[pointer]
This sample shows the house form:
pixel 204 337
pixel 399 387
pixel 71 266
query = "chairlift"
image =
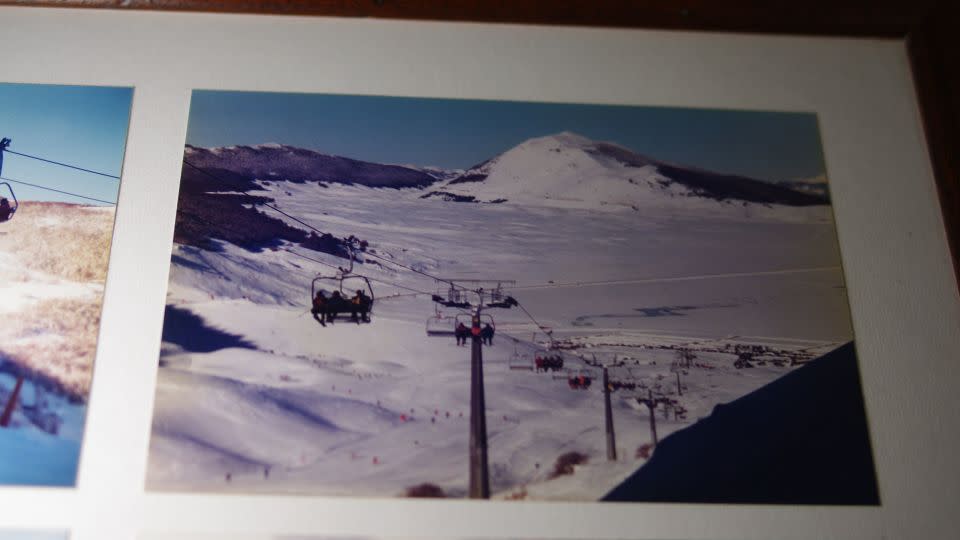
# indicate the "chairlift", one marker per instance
pixel 497 298
pixel 519 362
pixel 547 331
pixel 455 295
pixel 345 282
pixel 452 297
pixel 467 320
pixel 8 205
pixel 506 302
pixel 441 325
pixel 579 380
pixel 548 362
pixel 346 285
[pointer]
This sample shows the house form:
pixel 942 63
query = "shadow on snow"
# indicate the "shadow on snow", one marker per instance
pixel 190 332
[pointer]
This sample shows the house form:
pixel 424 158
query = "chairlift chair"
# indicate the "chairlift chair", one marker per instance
pixel 441 325
pixel 496 293
pixel 455 295
pixel 550 362
pixel 346 284
pixel 467 320
pixel 581 380
pixel 520 362
pixel 11 200
pixel 452 297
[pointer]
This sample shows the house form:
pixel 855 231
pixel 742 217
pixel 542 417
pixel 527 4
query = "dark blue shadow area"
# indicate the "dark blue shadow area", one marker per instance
pixel 801 439
pixel 190 332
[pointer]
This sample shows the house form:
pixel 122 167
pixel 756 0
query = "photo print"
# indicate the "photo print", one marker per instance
pixel 413 297
pixel 61 153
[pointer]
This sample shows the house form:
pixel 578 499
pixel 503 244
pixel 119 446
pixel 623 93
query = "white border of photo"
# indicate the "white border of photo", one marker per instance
pixel 900 281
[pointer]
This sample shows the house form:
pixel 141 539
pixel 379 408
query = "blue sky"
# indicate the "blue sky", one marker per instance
pixel 80 125
pixel 460 133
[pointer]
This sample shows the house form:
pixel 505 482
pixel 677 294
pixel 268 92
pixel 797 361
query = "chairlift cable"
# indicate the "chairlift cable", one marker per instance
pixel 540 326
pixel 57 191
pixel 421 272
pixel 377 280
pixel 91 171
pixel 671 279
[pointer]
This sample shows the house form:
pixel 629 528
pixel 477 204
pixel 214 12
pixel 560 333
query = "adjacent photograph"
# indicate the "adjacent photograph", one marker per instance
pixel 61 151
pixel 416 297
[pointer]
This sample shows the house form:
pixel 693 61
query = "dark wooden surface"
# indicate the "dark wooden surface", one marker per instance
pixel 934 49
pixel 930 28
pixel 838 17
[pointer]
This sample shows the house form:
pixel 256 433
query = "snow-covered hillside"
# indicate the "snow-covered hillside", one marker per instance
pixel 255 396
pixel 53 263
pixel 281 162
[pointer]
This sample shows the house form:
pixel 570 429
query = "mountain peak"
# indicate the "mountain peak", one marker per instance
pixel 569 169
pixel 566 138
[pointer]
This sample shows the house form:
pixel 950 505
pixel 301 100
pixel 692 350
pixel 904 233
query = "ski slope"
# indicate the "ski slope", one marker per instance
pixel 257 397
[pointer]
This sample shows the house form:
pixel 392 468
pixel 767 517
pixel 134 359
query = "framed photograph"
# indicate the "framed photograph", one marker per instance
pixel 438 168
pixel 60 160
pixel 414 297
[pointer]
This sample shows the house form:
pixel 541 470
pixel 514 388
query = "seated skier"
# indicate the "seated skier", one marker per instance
pixel 6 211
pixel 360 304
pixel 319 309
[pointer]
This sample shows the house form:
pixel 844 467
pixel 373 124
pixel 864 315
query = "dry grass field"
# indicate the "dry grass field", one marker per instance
pixel 53 264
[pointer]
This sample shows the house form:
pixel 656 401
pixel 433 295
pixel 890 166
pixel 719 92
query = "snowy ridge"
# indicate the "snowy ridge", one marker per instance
pixel 569 170
pixel 276 162
pixel 564 170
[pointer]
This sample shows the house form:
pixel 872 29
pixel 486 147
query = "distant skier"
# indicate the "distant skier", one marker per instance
pixel 319 309
pixel 486 334
pixel 5 210
pixel 461 332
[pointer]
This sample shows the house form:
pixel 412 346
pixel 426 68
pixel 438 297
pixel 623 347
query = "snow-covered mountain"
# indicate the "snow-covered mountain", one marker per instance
pixel 569 169
pixel 282 162
pixel 564 170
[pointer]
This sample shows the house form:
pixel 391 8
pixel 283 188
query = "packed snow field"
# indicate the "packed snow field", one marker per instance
pixel 53 262
pixel 258 397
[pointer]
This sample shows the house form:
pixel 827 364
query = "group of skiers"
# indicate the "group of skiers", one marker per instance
pixel 6 211
pixel 548 363
pixel 462 332
pixel 325 310
pixel 579 382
